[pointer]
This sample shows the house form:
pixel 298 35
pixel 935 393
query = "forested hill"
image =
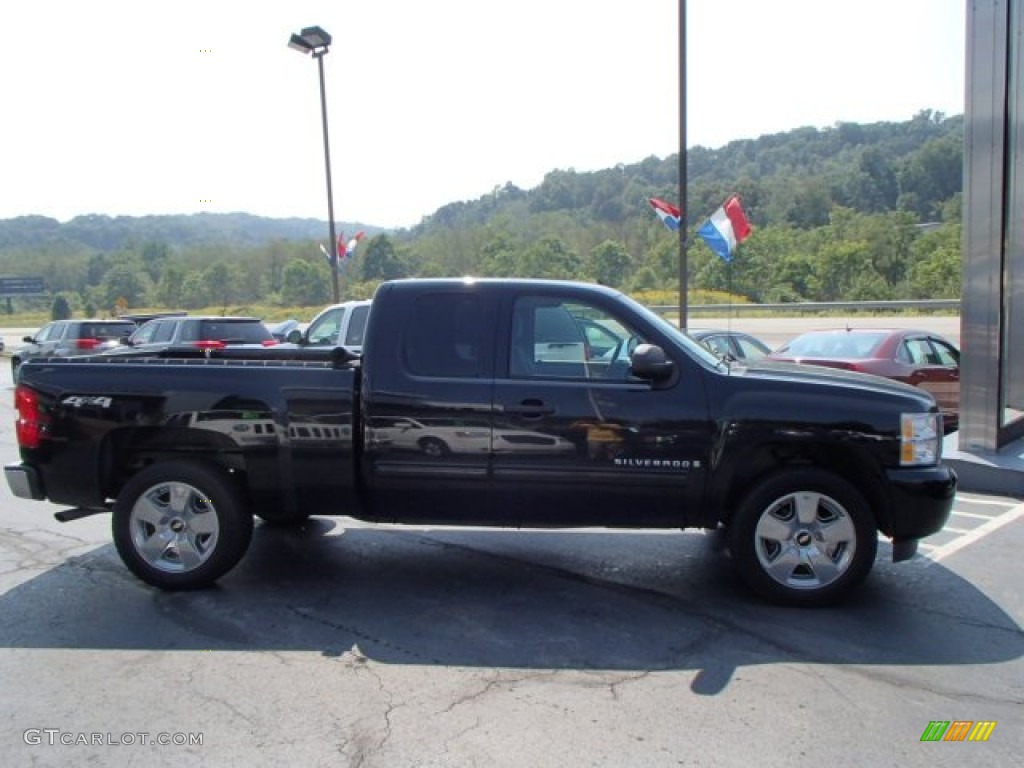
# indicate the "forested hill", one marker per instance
pixel 792 178
pixel 112 233
pixel 849 212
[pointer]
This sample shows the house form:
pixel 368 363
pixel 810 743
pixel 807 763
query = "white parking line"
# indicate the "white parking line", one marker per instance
pixel 983 501
pixel 994 523
pixel 975 515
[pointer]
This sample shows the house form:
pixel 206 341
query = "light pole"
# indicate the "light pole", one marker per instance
pixel 684 286
pixel 316 41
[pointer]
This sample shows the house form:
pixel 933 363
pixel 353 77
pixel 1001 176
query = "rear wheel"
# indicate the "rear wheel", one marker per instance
pixel 804 537
pixel 181 524
pixel 433 446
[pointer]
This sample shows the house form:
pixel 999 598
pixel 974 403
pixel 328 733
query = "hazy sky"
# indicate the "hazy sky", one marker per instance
pixel 136 107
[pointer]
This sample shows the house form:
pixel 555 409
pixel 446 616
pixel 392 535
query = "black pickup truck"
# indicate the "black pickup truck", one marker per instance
pixel 511 403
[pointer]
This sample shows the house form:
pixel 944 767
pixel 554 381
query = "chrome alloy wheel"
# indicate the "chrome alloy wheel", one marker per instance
pixel 805 540
pixel 174 527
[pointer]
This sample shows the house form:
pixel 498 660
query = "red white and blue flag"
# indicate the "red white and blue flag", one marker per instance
pixel 668 213
pixel 345 250
pixel 727 228
pixel 348 250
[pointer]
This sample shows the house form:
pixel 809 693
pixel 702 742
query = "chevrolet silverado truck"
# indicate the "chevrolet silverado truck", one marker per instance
pixel 617 419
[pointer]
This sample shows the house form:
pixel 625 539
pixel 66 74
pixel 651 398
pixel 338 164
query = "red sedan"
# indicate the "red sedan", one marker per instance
pixel 921 358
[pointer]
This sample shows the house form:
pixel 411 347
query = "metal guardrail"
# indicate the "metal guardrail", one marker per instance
pixel 797 307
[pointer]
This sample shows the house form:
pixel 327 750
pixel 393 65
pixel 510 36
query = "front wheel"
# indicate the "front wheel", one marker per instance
pixel 181 524
pixel 803 537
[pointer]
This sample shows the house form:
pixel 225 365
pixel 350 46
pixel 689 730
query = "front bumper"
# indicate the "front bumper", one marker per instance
pixel 24 482
pixel 920 501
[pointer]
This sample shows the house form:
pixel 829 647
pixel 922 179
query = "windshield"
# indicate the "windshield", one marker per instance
pixel 695 349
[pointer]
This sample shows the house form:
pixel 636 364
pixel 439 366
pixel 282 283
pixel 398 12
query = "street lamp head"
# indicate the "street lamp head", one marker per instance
pixel 316 37
pixel 311 40
pixel 298 44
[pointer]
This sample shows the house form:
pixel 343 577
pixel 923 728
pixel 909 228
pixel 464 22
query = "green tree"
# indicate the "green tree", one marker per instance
pixel 550 258
pixel 154 256
pixel 194 293
pixel 126 279
pixel 168 291
pixel 380 261
pixel 61 309
pixel 938 267
pixel 97 268
pixel 222 283
pixel 608 263
pixel 303 284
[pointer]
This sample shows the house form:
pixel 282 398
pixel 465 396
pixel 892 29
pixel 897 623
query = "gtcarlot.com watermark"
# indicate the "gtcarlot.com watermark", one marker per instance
pixel 53 737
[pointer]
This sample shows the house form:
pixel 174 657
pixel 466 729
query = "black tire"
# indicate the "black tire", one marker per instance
pixel 192 542
pixel 433 446
pixel 803 537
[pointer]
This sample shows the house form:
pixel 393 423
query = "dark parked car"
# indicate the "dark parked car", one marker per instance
pixel 280 330
pixel 916 357
pixel 730 345
pixel 71 337
pixel 197 331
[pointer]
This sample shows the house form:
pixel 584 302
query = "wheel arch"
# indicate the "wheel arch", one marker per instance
pixel 752 465
pixel 126 451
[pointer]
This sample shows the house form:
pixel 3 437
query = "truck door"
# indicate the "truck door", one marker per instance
pixel 427 399
pixel 578 440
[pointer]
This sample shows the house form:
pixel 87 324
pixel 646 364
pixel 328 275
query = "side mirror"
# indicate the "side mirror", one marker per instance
pixel 124 341
pixel 28 339
pixel 294 336
pixel 648 361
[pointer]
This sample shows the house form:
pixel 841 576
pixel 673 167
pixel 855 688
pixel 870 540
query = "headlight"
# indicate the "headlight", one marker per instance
pixel 920 439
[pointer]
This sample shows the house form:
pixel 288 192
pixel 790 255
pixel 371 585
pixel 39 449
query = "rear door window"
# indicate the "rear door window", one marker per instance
pixel 444 337
pixel 241 332
pixel 164 331
pixel 105 330
pixel 357 326
pixel 946 354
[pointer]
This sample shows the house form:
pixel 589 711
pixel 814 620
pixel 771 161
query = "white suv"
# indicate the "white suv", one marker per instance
pixel 339 325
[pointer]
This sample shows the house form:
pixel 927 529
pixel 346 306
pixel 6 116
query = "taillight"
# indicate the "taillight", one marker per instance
pixel 32 422
pixel 87 343
pixel 269 342
pixel 209 344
